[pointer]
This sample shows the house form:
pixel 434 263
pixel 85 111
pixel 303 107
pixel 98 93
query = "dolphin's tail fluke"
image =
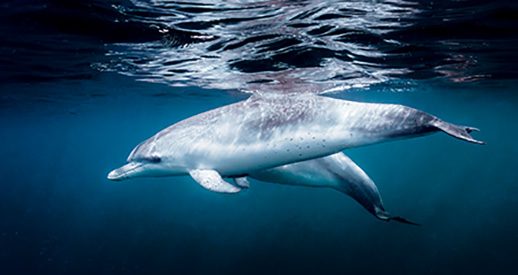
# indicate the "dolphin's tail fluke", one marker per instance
pixel 385 216
pixel 402 220
pixel 457 131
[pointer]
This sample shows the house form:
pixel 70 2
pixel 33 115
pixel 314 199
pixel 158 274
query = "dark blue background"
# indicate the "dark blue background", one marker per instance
pixel 61 216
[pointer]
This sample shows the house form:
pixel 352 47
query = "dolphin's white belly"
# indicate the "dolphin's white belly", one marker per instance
pixel 242 159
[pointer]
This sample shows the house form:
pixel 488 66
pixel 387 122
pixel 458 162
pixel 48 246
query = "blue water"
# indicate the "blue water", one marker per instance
pixel 78 92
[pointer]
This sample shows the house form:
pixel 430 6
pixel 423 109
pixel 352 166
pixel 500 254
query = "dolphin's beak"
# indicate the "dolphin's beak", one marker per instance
pixel 127 171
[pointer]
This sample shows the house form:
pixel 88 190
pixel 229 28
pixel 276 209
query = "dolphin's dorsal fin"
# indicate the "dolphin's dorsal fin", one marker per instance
pixel 242 182
pixel 211 180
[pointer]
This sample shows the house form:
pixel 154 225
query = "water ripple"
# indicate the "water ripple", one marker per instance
pixel 288 46
pixel 281 46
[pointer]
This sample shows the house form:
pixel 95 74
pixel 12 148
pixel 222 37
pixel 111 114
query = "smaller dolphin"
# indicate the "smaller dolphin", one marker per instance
pixel 335 171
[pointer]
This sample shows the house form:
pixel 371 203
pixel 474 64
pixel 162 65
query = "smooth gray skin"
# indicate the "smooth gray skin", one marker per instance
pixel 267 131
pixel 335 171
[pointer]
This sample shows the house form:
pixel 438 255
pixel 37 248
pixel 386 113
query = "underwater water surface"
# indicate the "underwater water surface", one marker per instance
pixel 83 83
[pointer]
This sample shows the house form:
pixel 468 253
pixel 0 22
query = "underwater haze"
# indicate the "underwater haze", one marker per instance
pixel 83 82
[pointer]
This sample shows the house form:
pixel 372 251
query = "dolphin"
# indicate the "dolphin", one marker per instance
pixel 336 171
pixel 267 131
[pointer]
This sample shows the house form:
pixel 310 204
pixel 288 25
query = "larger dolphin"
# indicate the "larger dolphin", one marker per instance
pixel 267 131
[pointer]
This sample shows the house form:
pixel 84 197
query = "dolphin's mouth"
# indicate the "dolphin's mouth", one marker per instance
pixel 127 171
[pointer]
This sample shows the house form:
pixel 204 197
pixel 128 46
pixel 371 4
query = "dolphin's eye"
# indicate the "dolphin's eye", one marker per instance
pixel 154 159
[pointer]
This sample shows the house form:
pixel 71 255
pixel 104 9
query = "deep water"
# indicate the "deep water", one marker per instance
pixel 82 83
pixel 60 215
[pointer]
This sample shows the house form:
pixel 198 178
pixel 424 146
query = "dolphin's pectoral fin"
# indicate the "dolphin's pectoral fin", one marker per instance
pixel 211 180
pixel 242 182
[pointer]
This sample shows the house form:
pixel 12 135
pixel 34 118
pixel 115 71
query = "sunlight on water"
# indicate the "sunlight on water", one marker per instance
pixel 280 46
